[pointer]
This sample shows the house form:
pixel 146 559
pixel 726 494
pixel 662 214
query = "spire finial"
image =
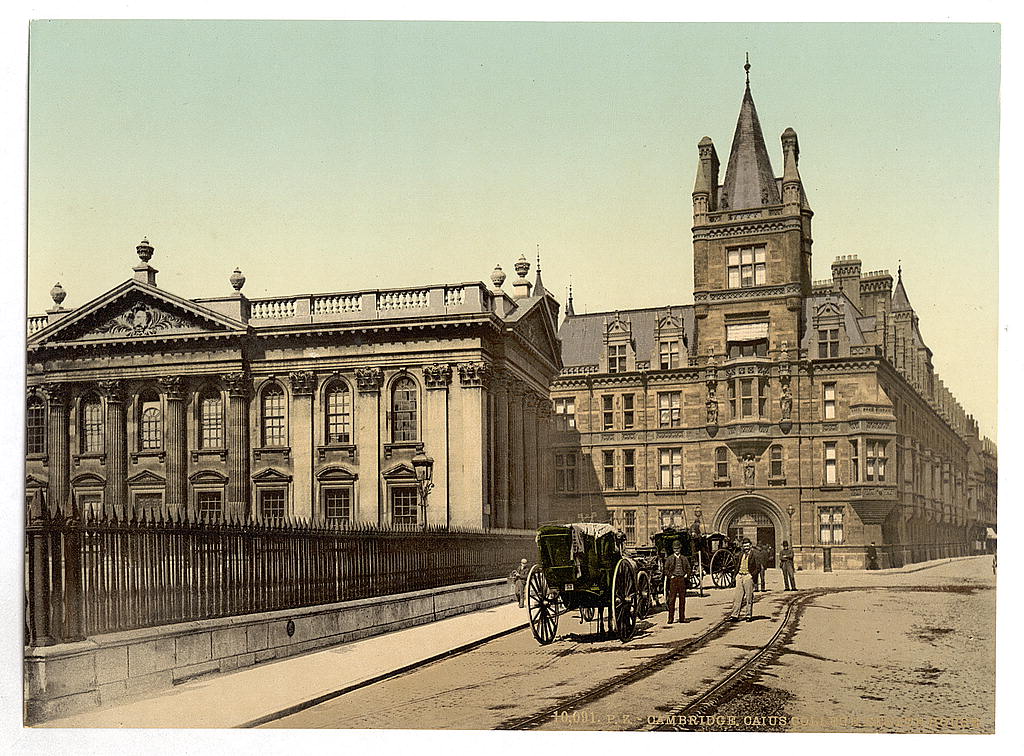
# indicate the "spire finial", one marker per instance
pixel 899 269
pixel 746 68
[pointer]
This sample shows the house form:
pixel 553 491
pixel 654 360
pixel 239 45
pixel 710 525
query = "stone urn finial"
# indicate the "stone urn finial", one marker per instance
pixel 237 280
pixel 58 294
pixel 144 250
pixel 522 266
pixel 498 277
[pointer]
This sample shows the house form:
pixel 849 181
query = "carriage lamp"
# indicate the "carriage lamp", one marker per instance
pixel 424 467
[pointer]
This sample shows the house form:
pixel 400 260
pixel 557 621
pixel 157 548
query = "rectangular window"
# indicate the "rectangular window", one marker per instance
pixel 608 468
pixel 272 504
pixel 273 418
pixel 565 472
pixel 35 429
pixel 671 468
pixel 828 342
pixel 629 468
pixel 668 353
pixel 671 518
pixel 92 427
pixel 607 412
pixel 148 501
pixel 617 358
pixel 628 412
pixel 746 397
pixel 721 463
pixel 875 461
pixel 775 462
pixel 565 413
pixel 830 524
pixel 91 502
pixel 339 416
pixel 211 423
pixel 829 401
pixel 629 526
pixel 404 505
pixel 208 505
pixel 746 267
pixel 855 462
pixel 830 463
pixel 756 348
pixel 669 409
pixel 337 505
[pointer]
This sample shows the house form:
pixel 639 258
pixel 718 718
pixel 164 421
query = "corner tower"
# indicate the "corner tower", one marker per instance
pixel 751 244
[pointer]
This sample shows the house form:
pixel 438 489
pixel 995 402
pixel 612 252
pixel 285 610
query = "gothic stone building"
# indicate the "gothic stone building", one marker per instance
pixel 774 407
pixel 308 406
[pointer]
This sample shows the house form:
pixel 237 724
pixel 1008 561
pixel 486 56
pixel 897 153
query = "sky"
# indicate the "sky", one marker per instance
pixel 337 156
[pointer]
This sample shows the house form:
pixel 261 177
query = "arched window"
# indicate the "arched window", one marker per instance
pixel 272 416
pixel 338 409
pixel 211 420
pixel 721 463
pixel 403 410
pixel 775 462
pixel 150 422
pixel 35 426
pixel 91 424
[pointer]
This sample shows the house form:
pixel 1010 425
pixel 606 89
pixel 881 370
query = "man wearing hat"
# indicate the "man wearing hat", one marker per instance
pixel 518 579
pixel 748 567
pixel 677 574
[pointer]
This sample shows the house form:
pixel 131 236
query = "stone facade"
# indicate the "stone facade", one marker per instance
pixel 773 407
pixel 308 406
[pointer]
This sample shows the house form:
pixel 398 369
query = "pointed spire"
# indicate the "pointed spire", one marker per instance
pixel 569 312
pixel 538 285
pixel 749 178
pixel 900 300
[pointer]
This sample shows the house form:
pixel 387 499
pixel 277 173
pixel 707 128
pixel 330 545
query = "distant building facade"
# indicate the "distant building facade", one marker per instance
pixel 310 407
pixel 774 407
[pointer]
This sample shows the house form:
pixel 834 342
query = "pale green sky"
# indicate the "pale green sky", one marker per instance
pixel 336 156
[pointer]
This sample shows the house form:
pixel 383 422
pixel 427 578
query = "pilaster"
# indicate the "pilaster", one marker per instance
pixel 436 379
pixel 239 486
pixel 302 442
pixel 175 443
pixel 116 492
pixel 58 442
pixel 368 441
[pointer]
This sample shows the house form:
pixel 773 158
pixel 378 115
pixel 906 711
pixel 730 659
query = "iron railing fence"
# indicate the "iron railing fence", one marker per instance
pixel 94 574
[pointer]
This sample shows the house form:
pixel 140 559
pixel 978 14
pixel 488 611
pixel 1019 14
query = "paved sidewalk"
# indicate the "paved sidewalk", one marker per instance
pixel 257 694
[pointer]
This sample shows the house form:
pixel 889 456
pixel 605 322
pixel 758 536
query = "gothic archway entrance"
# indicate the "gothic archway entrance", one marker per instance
pixel 756 518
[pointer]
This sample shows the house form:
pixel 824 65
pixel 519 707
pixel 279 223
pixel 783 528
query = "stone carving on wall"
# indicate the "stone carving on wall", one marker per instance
pixel 112 389
pixel 712 403
pixel 303 382
pixel 55 393
pixel 475 374
pixel 173 386
pixel 786 401
pixel 437 376
pixel 369 380
pixel 140 320
pixel 748 470
pixel 239 384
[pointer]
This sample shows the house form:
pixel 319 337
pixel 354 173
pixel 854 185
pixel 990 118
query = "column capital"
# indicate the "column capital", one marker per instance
pixel 303 382
pixel 369 379
pixel 172 386
pixel 437 376
pixel 56 393
pixel 112 389
pixel 475 374
pixel 239 385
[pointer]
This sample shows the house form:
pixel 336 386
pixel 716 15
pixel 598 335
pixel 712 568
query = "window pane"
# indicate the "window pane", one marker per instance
pixel 272 504
pixel 150 426
pixel 734 257
pixel 92 425
pixel 403 410
pixel 273 416
pixel 208 505
pixel 35 427
pixel 337 505
pixel 734 278
pixel 211 422
pixel 404 506
pixel 339 414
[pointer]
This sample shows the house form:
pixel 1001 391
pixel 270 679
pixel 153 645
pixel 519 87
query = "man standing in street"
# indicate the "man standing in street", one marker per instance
pixel 677 574
pixel 518 579
pixel 748 567
pixel 786 563
pixel 762 556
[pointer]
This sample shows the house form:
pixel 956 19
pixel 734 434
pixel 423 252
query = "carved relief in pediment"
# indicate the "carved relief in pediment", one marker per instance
pixel 141 319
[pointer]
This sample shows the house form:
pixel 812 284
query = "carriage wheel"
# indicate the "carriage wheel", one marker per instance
pixel 587 613
pixel 542 606
pixel 624 600
pixel 722 564
pixel 645 596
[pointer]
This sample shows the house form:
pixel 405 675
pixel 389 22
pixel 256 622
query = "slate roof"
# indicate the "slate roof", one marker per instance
pixel 749 179
pixel 583 335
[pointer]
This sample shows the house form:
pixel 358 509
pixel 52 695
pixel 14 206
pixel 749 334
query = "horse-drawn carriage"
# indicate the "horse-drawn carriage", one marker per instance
pixel 709 554
pixel 582 567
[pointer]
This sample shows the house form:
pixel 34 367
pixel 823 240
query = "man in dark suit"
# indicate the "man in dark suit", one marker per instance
pixel 677 574
pixel 748 567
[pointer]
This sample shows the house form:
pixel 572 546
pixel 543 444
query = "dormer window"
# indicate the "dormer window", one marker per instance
pixel 746 267
pixel 668 353
pixel 617 358
pixel 828 342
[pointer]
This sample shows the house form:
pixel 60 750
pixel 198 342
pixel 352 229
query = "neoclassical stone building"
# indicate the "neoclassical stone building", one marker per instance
pixel 774 407
pixel 309 406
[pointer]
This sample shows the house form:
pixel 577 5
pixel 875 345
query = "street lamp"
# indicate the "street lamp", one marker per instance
pixel 424 467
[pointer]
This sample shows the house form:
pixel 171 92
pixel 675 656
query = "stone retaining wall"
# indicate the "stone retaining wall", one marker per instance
pixel 104 669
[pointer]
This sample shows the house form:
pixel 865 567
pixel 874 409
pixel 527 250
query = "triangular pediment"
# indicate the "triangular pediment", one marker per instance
pixel 135 311
pixel 401 470
pixel 828 309
pixel 270 475
pixel 336 473
pixel 538 328
pixel 209 477
pixel 146 478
